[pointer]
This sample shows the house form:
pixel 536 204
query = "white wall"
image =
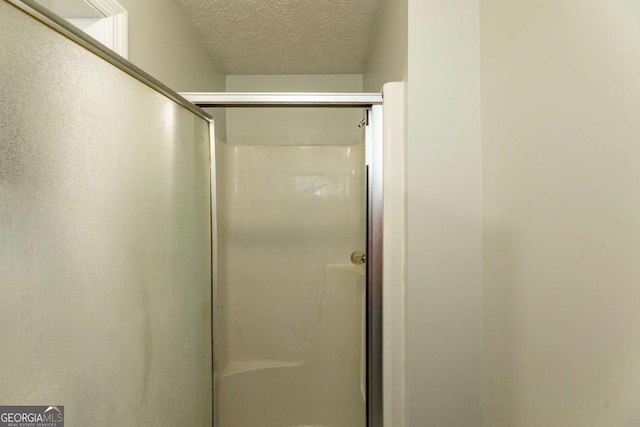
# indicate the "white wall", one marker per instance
pixel 444 214
pixel 164 43
pixel 561 167
pixel 387 60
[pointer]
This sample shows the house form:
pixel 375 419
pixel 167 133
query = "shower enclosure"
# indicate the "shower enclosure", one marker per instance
pixel 153 274
pixel 297 325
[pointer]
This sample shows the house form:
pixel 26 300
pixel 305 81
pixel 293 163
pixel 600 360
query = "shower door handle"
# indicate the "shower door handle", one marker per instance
pixel 358 257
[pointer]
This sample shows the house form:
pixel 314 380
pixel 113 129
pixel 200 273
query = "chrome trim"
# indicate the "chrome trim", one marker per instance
pixel 214 272
pixel 282 99
pixel 76 35
pixel 374 159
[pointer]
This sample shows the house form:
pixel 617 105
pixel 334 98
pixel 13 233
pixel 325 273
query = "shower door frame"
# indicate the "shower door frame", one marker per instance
pixel 372 105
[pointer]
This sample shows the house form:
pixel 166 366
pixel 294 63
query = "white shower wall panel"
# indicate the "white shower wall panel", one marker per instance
pixel 285 214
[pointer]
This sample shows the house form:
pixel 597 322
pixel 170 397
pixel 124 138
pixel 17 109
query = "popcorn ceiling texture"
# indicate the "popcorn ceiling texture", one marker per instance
pixel 286 36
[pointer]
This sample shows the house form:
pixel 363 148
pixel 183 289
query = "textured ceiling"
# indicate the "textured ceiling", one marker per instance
pixel 285 36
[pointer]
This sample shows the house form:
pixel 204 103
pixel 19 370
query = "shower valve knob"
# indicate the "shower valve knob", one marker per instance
pixel 358 257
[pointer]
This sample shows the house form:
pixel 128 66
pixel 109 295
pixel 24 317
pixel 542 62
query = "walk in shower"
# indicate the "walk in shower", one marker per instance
pixel 293 347
pixel 157 272
pixel 291 317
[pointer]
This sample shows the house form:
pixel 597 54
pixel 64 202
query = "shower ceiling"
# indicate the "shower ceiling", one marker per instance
pixel 286 36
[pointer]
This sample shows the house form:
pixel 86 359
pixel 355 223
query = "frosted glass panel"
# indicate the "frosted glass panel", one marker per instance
pixel 105 255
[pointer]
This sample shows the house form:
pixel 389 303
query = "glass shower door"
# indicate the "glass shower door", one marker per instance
pixel 105 251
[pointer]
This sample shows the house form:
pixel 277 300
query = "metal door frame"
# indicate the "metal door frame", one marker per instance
pixel 372 103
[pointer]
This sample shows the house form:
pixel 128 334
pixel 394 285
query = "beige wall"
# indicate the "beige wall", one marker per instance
pixel 164 43
pixel 444 214
pixel 387 59
pixel 561 166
